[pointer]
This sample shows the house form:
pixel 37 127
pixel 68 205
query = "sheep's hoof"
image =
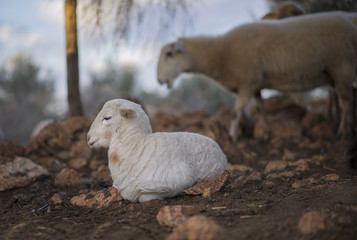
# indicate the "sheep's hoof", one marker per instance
pixel 345 135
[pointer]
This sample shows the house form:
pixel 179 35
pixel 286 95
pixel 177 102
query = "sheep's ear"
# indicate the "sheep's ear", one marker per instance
pixel 179 47
pixel 127 112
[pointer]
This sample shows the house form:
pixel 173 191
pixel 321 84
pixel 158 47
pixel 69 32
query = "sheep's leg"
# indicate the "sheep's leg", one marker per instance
pixel 343 83
pixel 145 197
pixel 242 100
pixel 333 110
pixel 260 105
pixel 345 128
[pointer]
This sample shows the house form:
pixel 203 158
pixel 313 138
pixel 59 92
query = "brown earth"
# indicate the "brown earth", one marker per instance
pixel 297 185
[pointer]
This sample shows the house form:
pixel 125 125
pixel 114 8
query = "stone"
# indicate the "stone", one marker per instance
pixel 19 172
pixel 289 155
pixel 77 163
pixel 10 150
pixel 221 136
pixel 80 149
pixel 282 125
pixel 255 176
pixel 58 138
pixel 323 130
pixel 56 199
pixel 97 199
pixel 94 164
pixel 239 167
pixel 214 185
pixel 275 166
pixel 302 168
pixel 103 172
pixel 330 177
pixel 67 176
pixel 284 174
pixel 48 162
pixel 303 183
pixel 172 216
pixel 310 120
pixel 198 228
pixel 311 222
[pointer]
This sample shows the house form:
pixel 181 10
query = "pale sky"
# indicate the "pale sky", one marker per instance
pixel 37 28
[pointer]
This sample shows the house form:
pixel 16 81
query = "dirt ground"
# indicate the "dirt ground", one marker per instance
pixel 293 176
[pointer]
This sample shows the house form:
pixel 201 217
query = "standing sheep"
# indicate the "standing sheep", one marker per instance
pixel 293 54
pixel 145 165
pixel 284 10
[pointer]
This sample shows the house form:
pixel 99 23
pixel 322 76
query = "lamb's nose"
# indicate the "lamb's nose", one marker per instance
pixel 88 138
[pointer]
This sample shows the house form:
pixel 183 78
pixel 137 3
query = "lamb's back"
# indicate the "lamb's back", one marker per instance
pixel 200 153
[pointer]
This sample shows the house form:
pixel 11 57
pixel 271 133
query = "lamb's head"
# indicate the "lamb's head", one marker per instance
pixel 174 59
pixel 117 119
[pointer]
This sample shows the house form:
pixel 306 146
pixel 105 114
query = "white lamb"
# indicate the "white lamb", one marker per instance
pixel 145 165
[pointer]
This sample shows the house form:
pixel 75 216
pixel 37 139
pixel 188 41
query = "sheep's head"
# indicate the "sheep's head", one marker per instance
pixel 173 60
pixel 117 118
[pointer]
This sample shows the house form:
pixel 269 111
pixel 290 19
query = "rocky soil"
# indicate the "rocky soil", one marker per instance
pixel 297 185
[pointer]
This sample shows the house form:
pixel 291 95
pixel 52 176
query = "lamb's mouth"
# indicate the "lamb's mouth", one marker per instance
pixel 91 144
pixel 167 82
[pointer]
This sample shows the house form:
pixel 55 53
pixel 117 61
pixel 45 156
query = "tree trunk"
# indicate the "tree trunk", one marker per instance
pixel 73 97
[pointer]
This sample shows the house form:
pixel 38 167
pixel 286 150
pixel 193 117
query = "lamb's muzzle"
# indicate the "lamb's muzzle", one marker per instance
pixel 146 165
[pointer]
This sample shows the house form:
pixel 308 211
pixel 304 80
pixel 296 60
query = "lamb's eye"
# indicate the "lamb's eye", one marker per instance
pixel 169 54
pixel 107 118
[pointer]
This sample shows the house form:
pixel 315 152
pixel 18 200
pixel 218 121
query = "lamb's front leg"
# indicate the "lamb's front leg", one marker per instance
pixel 242 101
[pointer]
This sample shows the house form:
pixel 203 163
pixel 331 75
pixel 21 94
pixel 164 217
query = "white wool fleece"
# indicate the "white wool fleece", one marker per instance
pixel 145 165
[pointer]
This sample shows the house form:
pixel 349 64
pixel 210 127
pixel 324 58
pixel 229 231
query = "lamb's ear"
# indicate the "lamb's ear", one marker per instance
pixel 179 47
pixel 127 112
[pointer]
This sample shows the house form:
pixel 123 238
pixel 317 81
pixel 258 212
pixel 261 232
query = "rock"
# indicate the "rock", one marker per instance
pixel 77 163
pixel 317 159
pixel 302 168
pixel 276 142
pixel 59 138
pixel 310 120
pixel 330 177
pixel 303 183
pixel 172 216
pixel 95 164
pixel 11 150
pixel 276 104
pixel 80 149
pixel 303 163
pixel 56 199
pixel 282 125
pixel 306 143
pixel 163 122
pixel 103 172
pixel 239 167
pixel 214 185
pixel 311 222
pixel 198 228
pixel 323 130
pixel 221 135
pixel 97 199
pixel 255 176
pixel 344 220
pixel 275 166
pixel 19 172
pixel 285 174
pixel 67 176
pixel 289 155
pixel 48 162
